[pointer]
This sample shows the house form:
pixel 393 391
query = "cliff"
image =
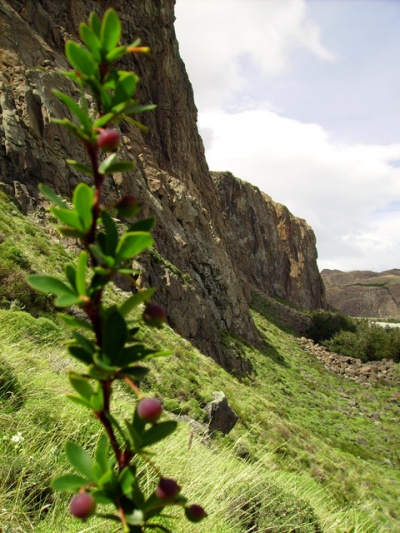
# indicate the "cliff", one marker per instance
pixel 364 293
pixel 217 237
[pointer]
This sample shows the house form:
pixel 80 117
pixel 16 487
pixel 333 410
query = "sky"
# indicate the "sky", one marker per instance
pixel 302 99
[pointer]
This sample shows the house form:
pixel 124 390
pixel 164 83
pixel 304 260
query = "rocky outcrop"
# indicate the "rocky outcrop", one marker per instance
pixel 273 251
pixel 364 293
pixel 373 372
pixel 204 278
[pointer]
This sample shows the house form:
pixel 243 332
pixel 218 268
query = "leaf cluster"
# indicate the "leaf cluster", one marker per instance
pixel 113 90
pixel 109 341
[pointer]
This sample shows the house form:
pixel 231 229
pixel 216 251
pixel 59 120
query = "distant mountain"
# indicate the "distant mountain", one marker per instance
pixel 364 293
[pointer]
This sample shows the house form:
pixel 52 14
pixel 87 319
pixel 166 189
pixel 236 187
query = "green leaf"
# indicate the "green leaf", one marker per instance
pixel 68 217
pixel 146 224
pixel 119 108
pixel 52 196
pixel 158 432
pixel 97 401
pixel 120 166
pixel 70 272
pixel 49 284
pixel 128 271
pixel 126 479
pixel 109 482
pixel 74 322
pixel 110 165
pixel 136 299
pixel 81 114
pixel 102 451
pixel 135 372
pixel 95 24
pixel 115 334
pixel 80 58
pixel 103 496
pixel 132 244
pixel 131 354
pixel 91 40
pixel 67 231
pixel 103 121
pixel 84 342
pixel 117 53
pixel 106 163
pixel 104 364
pixel 151 354
pixel 136 42
pixel 110 30
pixel 135 110
pixel 78 400
pixel 83 201
pixel 104 96
pixel 66 300
pixel 97 373
pixel 81 168
pixel 125 87
pixel 100 256
pixel 81 273
pixel 81 385
pixel 136 123
pixel 135 434
pixel 111 233
pixel 80 354
pixel 68 483
pixel 80 460
pixel 71 127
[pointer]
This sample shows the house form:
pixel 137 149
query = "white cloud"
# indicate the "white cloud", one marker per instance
pixel 217 36
pixel 342 190
pixel 347 192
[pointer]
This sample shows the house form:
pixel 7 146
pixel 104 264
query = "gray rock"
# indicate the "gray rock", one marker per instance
pixel 220 415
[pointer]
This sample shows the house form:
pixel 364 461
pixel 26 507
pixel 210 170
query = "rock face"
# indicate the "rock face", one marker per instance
pixel 272 249
pixel 204 272
pixel 364 293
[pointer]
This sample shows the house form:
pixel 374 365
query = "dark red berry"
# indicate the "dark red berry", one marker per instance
pixel 154 315
pixel 167 488
pixel 108 140
pixel 128 206
pixel 195 513
pixel 149 410
pixel 82 505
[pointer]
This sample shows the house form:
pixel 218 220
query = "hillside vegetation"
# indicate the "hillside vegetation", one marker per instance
pixel 312 452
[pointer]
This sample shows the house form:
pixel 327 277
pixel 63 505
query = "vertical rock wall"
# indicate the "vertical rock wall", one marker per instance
pixel 204 287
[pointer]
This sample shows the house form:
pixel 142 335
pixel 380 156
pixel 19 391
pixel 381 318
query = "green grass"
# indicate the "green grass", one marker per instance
pixel 308 454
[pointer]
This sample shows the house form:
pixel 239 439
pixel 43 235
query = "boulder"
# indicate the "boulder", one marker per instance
pixel 220 415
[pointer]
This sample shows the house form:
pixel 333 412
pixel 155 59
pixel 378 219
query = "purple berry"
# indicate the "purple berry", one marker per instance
pixel 149 410
pixel 195 513
pixel 154 315
pixel 82 505
pixel 108 140
pixel 167 489
pixel 128 206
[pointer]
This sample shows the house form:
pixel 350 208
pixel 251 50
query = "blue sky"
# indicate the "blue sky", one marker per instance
pixel 302 99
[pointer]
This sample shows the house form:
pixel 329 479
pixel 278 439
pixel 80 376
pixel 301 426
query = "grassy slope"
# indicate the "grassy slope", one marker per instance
pixel 316 449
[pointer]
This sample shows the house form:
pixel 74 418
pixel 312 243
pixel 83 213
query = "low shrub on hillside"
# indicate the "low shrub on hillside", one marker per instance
pixel 370 342
pixel 326 324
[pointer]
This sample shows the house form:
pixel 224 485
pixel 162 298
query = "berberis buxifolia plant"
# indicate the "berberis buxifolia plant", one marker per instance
pixel 109 343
